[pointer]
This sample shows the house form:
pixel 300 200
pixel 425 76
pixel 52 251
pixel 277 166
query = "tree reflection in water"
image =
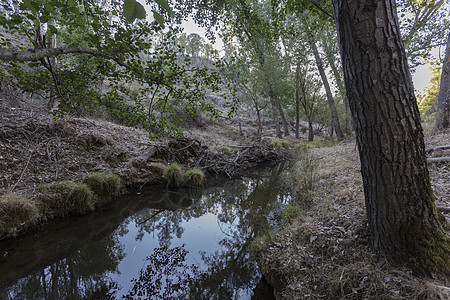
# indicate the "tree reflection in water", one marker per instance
pixel 242 209
pixel 79 276
pixel 166 276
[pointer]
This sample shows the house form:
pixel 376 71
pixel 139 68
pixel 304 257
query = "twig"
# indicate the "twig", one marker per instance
pixel 23 172
pixel 443 209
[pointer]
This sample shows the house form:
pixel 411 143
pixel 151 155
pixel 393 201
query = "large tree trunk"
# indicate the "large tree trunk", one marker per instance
pixel 402 218
pixel 334 114
pixel 443 104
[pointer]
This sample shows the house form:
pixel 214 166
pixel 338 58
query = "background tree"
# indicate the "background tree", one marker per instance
pixel 424 25
pixel 443 103
pixel 403 221
pixel 428 101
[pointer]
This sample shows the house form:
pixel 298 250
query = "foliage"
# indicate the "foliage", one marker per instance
pixel 427 103
pixel 424 25
pixel 133 71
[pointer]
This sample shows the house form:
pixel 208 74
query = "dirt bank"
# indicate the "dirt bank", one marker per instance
pixel 37 151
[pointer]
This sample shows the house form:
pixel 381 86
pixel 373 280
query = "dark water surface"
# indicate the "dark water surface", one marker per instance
pixel 151 244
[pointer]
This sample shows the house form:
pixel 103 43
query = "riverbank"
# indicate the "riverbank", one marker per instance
pixel 41 157
pixel 323 253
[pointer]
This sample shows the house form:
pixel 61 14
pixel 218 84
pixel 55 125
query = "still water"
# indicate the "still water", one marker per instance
pixel 151 244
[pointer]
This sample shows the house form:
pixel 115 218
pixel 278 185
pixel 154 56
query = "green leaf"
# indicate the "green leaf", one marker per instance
pixel 31 5
pixel 133 10
pixel 52 29
pixel 164 5
pixel 44 19
pixel 158 18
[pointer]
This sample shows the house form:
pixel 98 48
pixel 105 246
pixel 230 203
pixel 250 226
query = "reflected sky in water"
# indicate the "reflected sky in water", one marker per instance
pixel 157 244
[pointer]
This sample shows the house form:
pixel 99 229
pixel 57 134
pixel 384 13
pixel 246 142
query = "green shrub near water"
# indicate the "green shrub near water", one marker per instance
pixel 173 174
pixel 16 211
pixel 103 184
pixel 67 198
pixel 194 177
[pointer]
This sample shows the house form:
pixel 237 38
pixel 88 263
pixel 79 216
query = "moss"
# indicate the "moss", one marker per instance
pixel 225 150
pixel 173 174
pixel 194 177
pixel 428 249
pixel 67 198
pixel 16 211
pixel 103 184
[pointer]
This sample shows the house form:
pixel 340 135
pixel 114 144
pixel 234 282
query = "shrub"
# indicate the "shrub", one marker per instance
pixel 66 198
pixel 286 144
pixel 173 174
pixel 225 150
pixel 290 213
pixel 275 144
pixel 16 211
pixel 194 177
pixel 103 184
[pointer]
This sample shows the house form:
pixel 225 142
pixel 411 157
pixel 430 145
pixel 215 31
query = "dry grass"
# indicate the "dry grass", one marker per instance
pixel 194 178
pixel 66 198
pixel 173 174
pixel 16 213
pixel 103 184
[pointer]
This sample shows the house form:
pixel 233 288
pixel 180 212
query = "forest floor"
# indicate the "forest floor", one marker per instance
pixel 323 254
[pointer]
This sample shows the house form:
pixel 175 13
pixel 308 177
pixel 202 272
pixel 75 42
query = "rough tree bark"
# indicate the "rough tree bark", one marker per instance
pixel 403 221
pixel 443 104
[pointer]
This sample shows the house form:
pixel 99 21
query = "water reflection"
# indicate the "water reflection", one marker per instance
pixel 185 244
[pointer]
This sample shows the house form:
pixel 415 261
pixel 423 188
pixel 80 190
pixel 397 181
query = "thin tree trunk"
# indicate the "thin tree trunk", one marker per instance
pixel 334 114
pixel 443 104
pixel 403 221
pixel 310 131
pixel 348 115
pixel 297 100
pixel 283 120
pixel 270 91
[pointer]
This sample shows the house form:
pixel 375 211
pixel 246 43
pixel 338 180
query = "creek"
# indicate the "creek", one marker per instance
pixel 152 244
